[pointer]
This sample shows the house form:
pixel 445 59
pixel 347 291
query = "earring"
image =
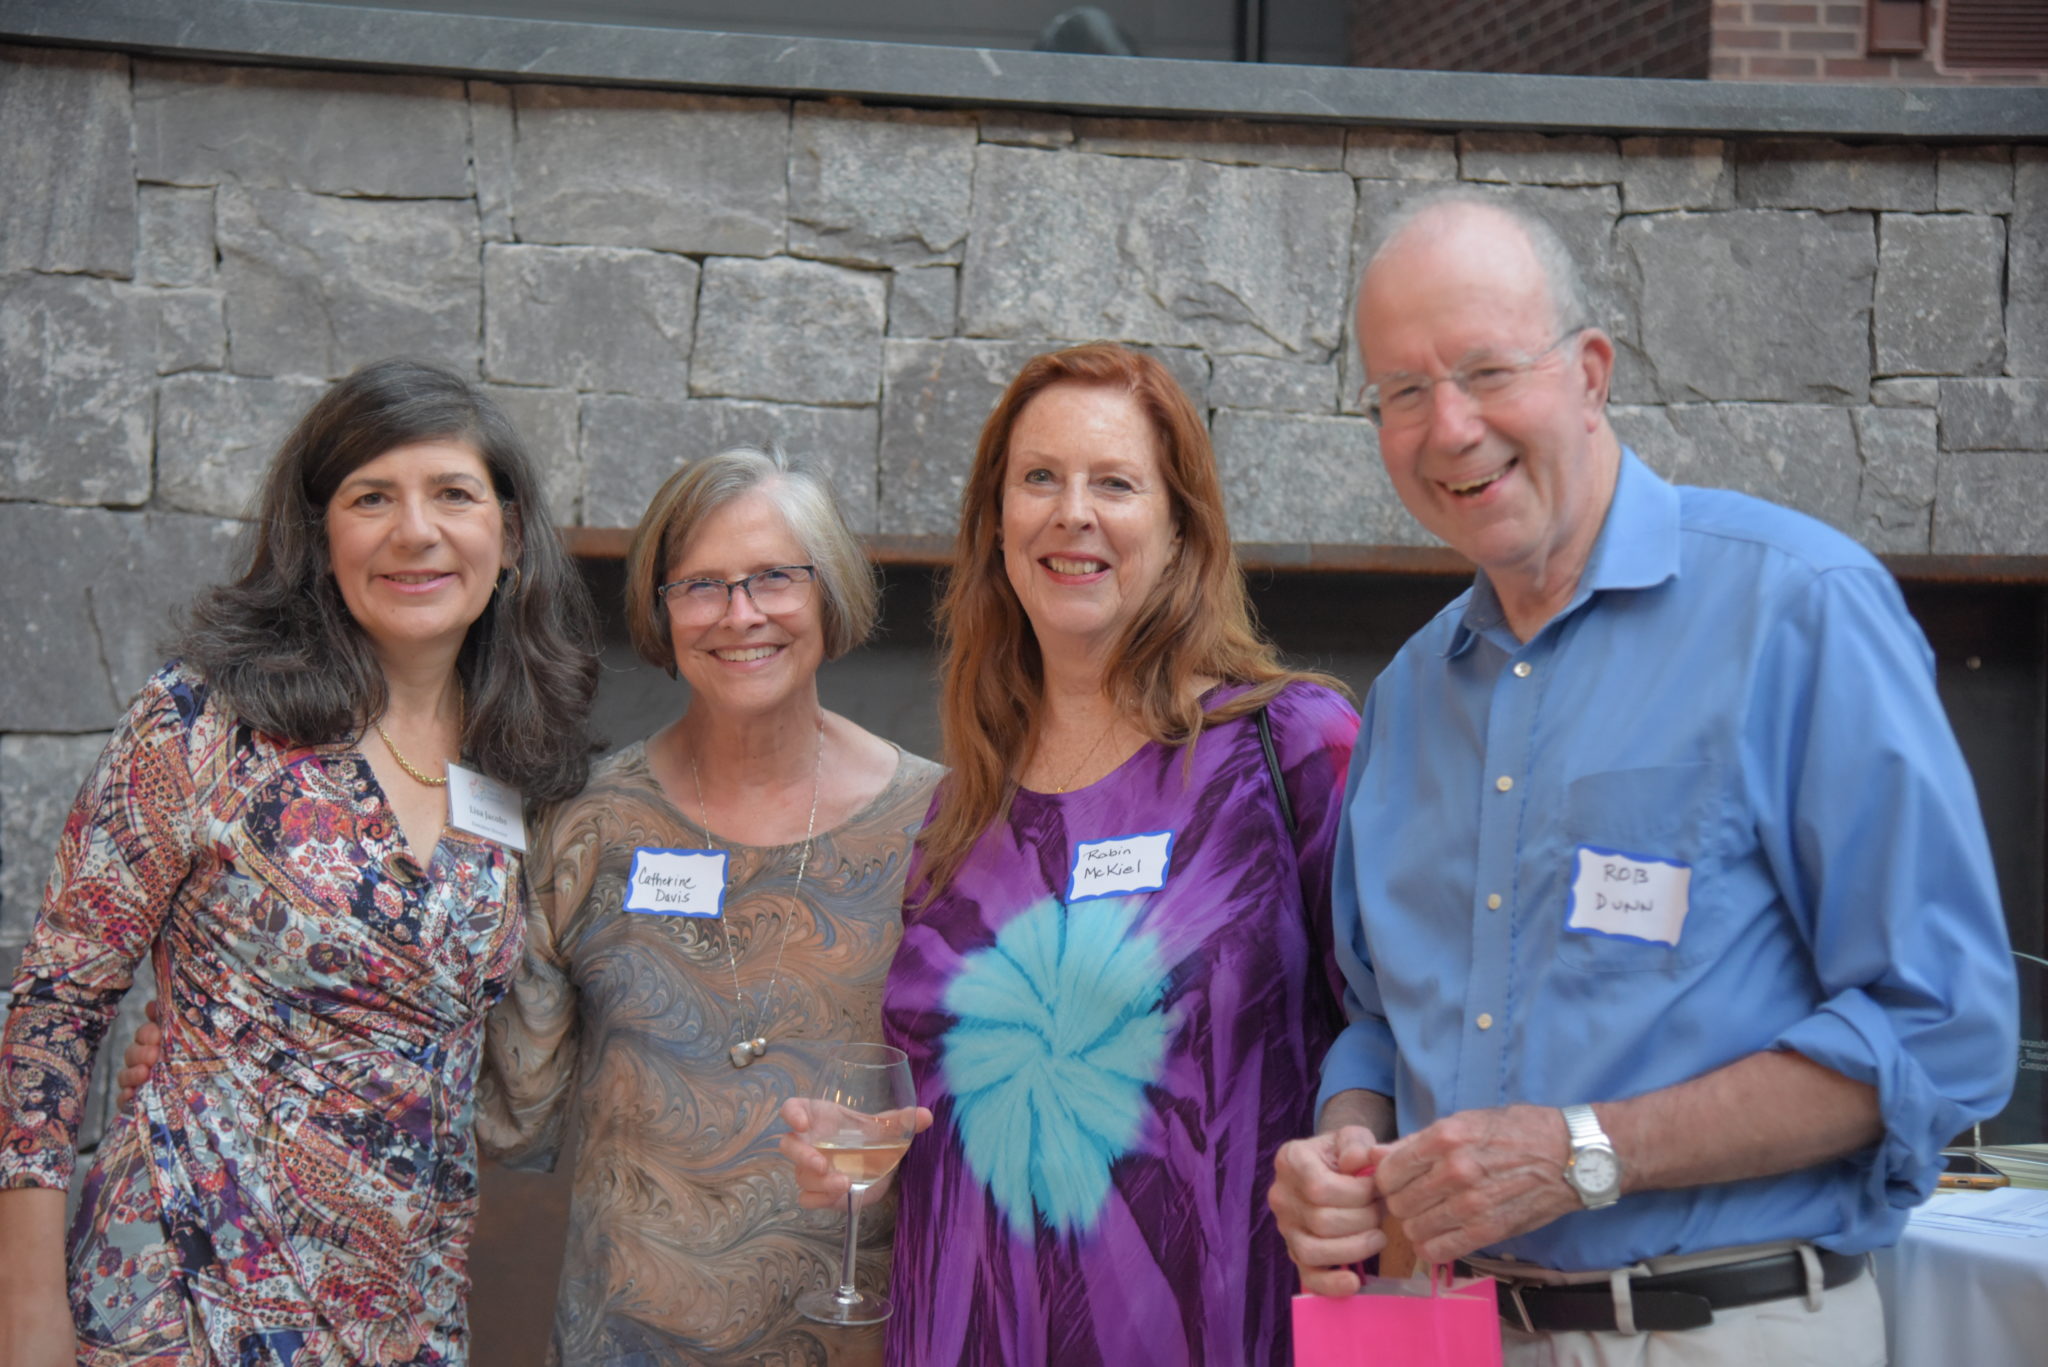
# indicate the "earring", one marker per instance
pixel 518 578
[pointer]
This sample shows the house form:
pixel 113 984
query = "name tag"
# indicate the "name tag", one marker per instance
pixel 1630 896
pixel 483 806
pixel 1129 863
pixel 677 882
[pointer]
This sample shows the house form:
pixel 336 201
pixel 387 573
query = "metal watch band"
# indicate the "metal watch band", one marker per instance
pixel 1585 1126
pixel 1592 1154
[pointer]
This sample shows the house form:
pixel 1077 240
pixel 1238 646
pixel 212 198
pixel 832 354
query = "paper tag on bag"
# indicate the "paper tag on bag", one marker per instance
pixel 1630 896
pixel 1126 864
pixel 677 882
pixel 483 806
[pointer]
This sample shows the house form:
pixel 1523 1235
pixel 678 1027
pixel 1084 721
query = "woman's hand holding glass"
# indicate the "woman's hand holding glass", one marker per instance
pixel 848 1139
pixel 824 1175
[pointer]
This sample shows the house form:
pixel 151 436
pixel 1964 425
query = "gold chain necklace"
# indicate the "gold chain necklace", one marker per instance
pixel 406 764
pixel 1075 772
pixel 753 1044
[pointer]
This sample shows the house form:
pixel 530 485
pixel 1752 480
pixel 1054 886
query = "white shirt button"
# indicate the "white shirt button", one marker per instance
pixel 1493 901
pixel 1503 783
pixel 1522 670
pixel 1485 1021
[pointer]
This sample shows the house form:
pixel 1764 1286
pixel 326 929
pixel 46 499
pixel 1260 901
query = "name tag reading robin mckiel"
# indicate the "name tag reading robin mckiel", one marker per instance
pixel 1126 864
pixel 483 806
pixel 677 882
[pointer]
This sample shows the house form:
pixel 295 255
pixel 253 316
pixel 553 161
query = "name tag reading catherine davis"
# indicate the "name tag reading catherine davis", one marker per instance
pixel 1630 896
pixel 677 882
pixel 483 806
pixel 1129 863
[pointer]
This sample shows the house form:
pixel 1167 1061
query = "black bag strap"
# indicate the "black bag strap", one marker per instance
pixel 1265 726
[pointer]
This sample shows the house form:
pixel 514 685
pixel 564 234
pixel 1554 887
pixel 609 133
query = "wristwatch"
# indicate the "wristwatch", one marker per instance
pixel 1593 1170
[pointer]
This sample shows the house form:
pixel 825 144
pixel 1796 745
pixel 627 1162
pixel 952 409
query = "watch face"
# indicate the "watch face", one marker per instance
pixel 1595 1171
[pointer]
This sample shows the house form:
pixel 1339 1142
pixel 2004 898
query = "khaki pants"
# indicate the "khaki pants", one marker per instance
pixel 1847 1331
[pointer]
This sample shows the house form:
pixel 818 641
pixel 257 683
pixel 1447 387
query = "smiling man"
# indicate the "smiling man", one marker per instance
pixel 1667 914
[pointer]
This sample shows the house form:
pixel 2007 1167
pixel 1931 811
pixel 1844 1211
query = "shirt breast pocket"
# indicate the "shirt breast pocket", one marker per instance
pixel 1641 827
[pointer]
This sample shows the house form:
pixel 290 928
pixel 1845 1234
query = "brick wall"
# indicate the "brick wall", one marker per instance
pixel 1766 40
pixel 1651 38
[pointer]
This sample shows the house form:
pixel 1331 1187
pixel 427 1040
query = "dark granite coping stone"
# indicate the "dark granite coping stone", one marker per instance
pixel 609 543
pixel 298 33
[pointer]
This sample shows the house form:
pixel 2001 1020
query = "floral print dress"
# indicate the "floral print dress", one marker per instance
pixel 1111 1075
pixel 296 1182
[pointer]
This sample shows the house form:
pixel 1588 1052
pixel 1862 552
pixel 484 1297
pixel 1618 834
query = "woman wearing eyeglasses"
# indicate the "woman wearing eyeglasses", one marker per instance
pixel 715 912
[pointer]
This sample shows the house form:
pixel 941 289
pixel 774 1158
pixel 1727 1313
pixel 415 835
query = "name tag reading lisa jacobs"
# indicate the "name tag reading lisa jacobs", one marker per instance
pixel 1629 896
pixel 1128 863
pixel 676 882
pixel 483 806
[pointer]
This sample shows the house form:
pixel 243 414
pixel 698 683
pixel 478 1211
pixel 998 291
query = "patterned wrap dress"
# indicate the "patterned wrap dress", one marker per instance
pixel 1110 1077
pixel 296 1182
pixel 686 1245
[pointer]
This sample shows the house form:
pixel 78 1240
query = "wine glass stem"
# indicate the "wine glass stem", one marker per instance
pixel 847 1295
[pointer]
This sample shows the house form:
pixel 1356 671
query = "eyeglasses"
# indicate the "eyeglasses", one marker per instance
pixel 1400 400
pixel 700 602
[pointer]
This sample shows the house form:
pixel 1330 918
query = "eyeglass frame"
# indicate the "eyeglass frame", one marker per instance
pixel 745 581
pixel 1460 376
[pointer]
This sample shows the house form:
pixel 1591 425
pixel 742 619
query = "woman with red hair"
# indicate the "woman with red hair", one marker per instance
pixel 1114 981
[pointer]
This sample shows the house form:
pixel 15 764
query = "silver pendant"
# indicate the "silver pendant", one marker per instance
pixel 746 1051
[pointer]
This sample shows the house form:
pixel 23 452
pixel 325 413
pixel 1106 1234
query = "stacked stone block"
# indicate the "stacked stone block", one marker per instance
pixel 190 252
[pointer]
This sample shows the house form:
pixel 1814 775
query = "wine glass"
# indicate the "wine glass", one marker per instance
pixel 863 1115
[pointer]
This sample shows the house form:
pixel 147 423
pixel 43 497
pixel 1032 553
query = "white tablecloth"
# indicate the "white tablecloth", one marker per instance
pixel 1964 1300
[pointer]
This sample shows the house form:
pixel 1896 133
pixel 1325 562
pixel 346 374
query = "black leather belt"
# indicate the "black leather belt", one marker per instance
pixel 1675 1300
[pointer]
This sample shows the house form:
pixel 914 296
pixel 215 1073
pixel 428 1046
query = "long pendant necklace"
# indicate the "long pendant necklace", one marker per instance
pixel 752 1044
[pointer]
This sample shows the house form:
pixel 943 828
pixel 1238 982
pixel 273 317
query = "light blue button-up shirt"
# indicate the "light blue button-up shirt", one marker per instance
pixel 1735 689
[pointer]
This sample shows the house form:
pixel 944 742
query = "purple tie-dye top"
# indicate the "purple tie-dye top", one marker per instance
pixel 1110 1076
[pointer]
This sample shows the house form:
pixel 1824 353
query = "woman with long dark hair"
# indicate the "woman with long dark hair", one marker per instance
pixel 311 823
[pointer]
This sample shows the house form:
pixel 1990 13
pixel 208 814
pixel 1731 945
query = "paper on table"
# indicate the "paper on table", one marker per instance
pixel 2009 1211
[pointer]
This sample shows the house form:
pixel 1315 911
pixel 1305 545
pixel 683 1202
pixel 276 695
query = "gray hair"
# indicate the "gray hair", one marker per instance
pixel 1566 287
pixel 847 583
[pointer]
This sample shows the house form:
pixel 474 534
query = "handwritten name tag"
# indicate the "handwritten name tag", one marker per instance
pixel 677 882
pixel 483 806
pixel 1129 863
pixel 1630 896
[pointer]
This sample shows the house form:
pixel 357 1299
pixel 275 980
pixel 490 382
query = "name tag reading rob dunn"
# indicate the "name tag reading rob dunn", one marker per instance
pixel 1630 896
pixel 1128 863
pixel 677 882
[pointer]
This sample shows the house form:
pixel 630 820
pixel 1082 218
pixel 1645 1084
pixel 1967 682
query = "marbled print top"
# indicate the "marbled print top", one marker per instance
pixel 686 1244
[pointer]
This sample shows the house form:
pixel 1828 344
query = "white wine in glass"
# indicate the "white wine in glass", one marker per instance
pixel 862 1117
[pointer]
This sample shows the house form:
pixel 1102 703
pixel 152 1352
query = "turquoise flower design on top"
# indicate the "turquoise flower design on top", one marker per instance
pixel 1059 1032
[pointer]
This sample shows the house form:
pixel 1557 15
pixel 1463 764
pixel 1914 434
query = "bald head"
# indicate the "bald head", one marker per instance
pixel 1522 245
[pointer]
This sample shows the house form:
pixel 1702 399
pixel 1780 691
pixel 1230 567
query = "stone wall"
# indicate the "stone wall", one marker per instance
pixel 189 251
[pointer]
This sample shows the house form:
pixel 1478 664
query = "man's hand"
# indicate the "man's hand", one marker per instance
pixel 1476 1178
pixel 1328 1207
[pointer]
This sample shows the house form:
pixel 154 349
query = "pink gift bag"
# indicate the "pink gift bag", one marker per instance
pixel 1401 1322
